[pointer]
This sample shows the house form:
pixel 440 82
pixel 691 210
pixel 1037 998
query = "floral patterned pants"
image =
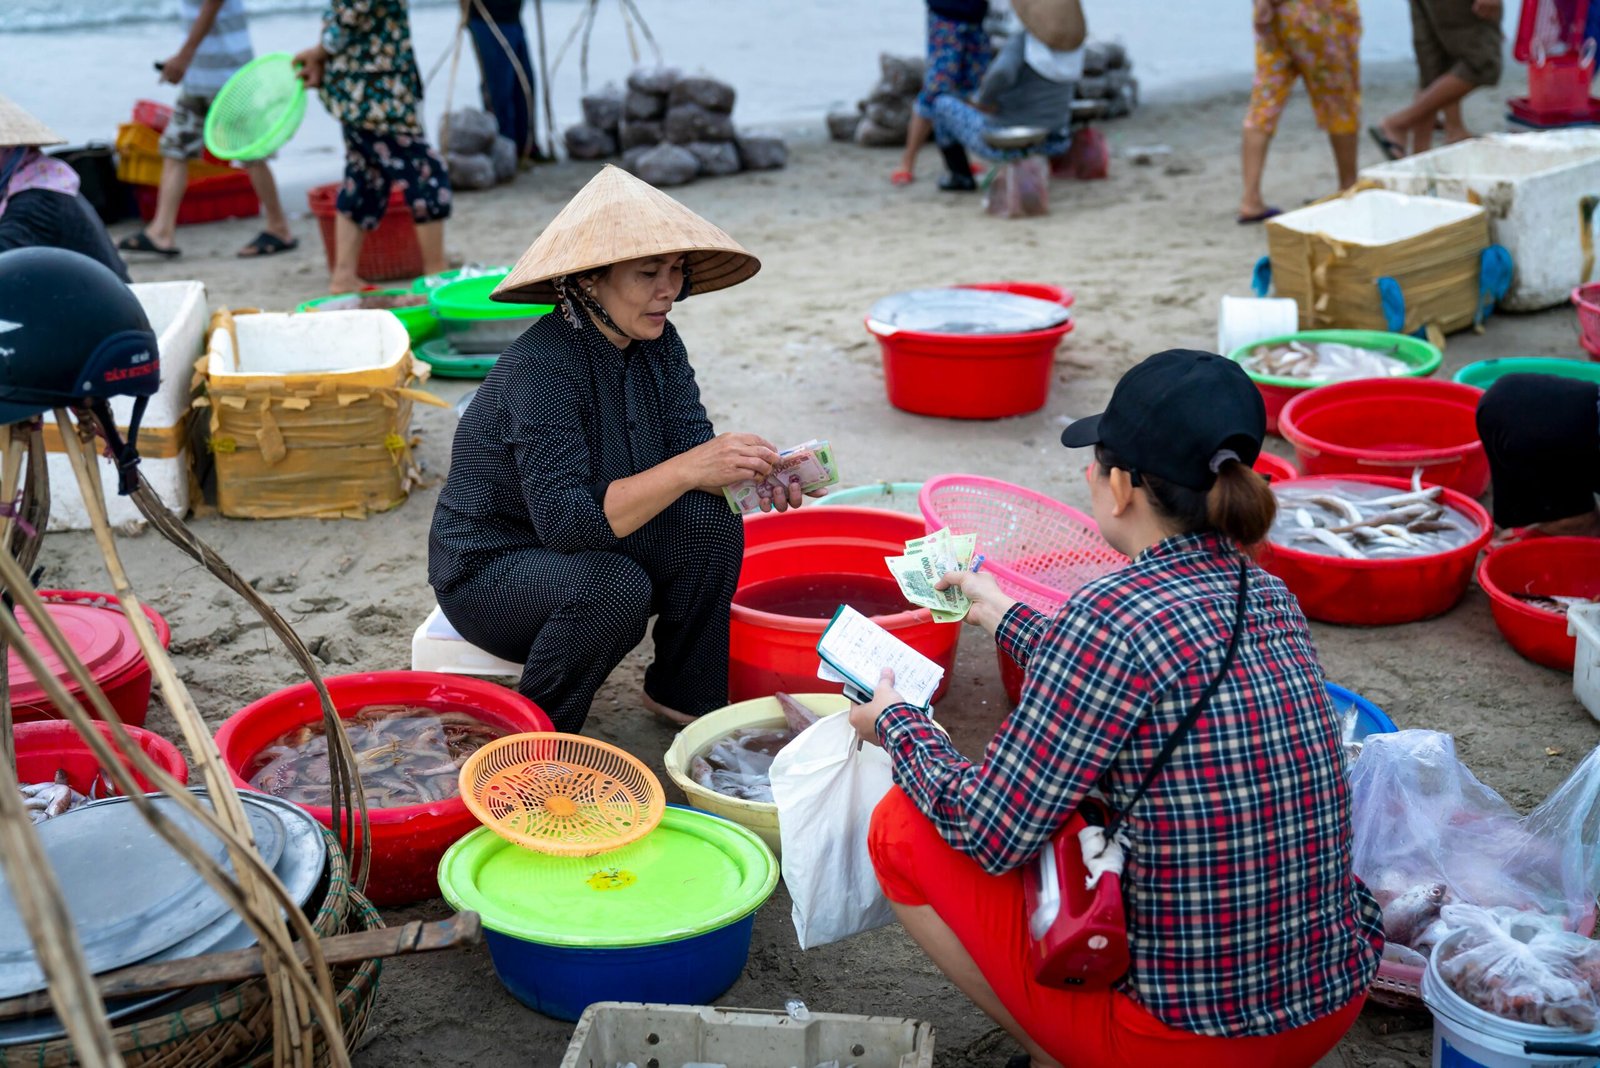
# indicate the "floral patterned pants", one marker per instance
pixel 374 162
pixel 1319 41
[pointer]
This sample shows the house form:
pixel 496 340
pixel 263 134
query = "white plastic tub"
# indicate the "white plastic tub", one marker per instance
pixel 177 312
pixel 1532 186
pixel 1583 622
pixel 621 1032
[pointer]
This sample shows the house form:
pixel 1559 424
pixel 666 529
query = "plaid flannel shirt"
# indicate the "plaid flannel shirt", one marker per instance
pixel 1244 916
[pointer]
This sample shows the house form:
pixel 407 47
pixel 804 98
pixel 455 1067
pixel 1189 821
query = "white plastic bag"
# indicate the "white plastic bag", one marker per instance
pixel 825 790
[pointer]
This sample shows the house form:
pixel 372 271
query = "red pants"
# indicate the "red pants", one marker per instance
pixel 1087 1028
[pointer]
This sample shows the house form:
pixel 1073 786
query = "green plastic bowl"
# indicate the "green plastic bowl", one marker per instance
pixel 1276 391
pixel 446 362
pixel 429 282
pixel 468 299
pixel 890 496
pixel 1485 373
pixel 256 112
pixel 419 321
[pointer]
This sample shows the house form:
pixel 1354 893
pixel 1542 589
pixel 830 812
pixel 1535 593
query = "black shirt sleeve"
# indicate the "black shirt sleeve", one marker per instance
pixel 684 423
pixel 44 217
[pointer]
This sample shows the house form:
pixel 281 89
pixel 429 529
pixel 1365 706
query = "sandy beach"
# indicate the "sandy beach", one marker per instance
pixel 1148 252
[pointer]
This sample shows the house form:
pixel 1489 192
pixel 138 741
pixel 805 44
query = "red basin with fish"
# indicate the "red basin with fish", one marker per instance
pixel 801 565
pixel 47 746
pixel 1390 426
pixel 407 840
pixel 1335 589
pixel 95 627
pixel 1540 566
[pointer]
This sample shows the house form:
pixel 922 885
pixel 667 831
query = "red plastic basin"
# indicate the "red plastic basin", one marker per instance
pixel 47 746
pixel 1568 566
pixel 1390 426
pixel 768 652
pixel 94 626
pixel 1334 589
pixel 974 376
pixel 407 841
pixel 1275 468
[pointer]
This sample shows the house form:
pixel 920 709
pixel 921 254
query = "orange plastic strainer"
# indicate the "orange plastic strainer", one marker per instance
pixel 561 793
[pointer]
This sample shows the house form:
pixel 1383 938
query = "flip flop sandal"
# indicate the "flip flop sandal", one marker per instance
pixel 1260 216
pixel 1390 149
pixel 140 242
pixel 902 178
pixel 266 244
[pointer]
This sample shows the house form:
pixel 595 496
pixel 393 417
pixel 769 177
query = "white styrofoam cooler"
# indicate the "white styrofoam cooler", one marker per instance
pixel 1583 623
pixel 1532 186
pixel 177 312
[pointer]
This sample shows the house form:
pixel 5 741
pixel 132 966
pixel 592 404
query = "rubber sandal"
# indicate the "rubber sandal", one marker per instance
pixel 1260 216
pixel 1390 149
pixel 140 242
pixel 902 178
pixel 957 183
pixel 266 244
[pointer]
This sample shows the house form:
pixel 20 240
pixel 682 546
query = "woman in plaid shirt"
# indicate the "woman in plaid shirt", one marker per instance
pixel 1252 941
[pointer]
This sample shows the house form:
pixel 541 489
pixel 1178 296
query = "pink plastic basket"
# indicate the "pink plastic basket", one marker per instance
pixel 1038 550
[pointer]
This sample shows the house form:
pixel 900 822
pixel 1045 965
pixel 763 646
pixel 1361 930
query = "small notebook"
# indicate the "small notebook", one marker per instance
pixel 855 650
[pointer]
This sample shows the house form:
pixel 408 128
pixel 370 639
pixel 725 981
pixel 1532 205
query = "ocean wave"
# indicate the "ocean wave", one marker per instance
pixel 36 15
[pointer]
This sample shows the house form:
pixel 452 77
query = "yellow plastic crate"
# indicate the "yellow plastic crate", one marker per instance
pixel 139 157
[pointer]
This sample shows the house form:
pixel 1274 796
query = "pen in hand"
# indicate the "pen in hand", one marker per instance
pixel 977 562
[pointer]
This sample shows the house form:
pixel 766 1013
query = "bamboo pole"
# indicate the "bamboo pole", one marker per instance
pixel 15 446
pixel 544 84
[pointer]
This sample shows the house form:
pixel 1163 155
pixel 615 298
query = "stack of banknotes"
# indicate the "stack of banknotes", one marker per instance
pixel 810 461
pixel 926 560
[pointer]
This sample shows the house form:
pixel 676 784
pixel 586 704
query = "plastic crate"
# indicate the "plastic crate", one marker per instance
pixel 222 196
pixel 152 114
pixel 390 251
pixel 139 159
pixel 621 1032
pixel 1583 623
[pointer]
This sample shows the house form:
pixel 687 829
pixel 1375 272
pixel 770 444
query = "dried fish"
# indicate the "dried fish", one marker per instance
pixel 1359 521
pixel 405 755
pixel 1324 361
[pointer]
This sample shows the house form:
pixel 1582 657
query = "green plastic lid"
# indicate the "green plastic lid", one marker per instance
pixel 1485 373
pixel 691 875
pixel 259 108
pixel 441 355
pixel 468 298
pixel 1423 358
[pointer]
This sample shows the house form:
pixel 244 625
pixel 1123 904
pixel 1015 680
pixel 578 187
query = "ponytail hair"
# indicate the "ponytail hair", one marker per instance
pixel 1240 505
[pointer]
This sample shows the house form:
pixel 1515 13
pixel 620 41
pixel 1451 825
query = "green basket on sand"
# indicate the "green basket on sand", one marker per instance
pixel 1485 373
pixel 473 322
pixel 447 362
pixel 418 319
pixel 256 112
pixel 1276 390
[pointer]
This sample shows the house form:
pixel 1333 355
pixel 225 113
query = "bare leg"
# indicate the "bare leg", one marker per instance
pixel 951 957
pixel 348 238
pixel 1253 161
pixel 163 228
pixel 661 711
pixel 431 237
pixel 1413 124
pixel 1344 158
pixel 266 189
pixel 917 135
pixel 1455 128
pixel 1586 525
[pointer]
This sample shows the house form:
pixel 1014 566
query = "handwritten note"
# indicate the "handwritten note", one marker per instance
pixel 855 650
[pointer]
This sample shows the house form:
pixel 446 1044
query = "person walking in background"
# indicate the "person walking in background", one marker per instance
pixel 508 85
pixel 1318 41
pixel 368 76
pixel 958 54
pixel 1458 45
pixel 218 44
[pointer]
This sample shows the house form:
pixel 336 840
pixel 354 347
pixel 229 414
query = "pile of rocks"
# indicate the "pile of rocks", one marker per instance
pixel 477 155
pixel 670 129
pixel 881 119
pixel 1108 77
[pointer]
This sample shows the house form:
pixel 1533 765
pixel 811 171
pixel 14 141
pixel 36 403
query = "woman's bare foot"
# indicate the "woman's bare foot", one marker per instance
pixel 662 712
pixel 1586 525
pixel 339 284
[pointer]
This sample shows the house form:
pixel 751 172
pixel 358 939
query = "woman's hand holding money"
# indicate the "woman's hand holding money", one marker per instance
pixel 989 604
pixel 726 459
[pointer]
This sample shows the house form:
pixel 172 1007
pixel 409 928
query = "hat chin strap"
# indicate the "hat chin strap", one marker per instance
pixel 124 453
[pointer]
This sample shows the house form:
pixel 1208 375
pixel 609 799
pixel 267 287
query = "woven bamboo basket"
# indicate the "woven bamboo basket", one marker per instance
pixel 235 1026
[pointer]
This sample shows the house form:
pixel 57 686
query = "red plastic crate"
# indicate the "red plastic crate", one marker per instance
pixel 390 251
pixel 225 196
pixel 152 114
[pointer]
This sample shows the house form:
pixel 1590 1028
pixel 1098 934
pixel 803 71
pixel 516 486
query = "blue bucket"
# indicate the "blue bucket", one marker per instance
pixel 562 981
pixel 1370 719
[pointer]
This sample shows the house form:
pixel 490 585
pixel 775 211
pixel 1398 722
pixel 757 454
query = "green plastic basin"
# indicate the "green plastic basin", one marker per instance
pixel 468 299
pixel 429 282
pixel 446 362
pixel 419 321
pixel 693 874
pixel 1276 390
pixel 1485 373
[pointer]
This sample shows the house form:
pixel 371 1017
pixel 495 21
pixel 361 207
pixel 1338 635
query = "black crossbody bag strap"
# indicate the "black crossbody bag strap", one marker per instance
pixel 1194 713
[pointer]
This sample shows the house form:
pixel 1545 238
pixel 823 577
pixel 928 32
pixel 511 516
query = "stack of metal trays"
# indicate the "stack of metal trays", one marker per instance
pixel 134 900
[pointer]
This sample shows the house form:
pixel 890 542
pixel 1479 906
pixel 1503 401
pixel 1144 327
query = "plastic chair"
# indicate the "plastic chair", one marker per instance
pixel 437 647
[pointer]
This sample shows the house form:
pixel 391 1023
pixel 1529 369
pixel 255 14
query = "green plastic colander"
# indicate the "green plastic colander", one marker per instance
pixel 258 110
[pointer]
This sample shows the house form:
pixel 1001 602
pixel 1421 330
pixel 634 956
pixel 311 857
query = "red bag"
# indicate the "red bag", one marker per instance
pixel 1079 936
pixel 1088 157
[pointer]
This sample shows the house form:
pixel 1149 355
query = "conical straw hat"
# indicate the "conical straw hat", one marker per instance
pixel 617 217
pixel 17 127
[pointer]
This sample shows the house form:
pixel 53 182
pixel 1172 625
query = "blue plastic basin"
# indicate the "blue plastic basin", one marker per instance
pixel 1370 719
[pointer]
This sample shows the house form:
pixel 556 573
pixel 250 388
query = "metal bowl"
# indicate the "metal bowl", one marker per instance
pixel 1013 137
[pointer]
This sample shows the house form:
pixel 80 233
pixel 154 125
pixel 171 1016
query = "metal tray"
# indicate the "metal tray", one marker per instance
pixel 965 311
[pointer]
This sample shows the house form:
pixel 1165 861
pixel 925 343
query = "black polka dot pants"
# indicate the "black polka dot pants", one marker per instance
pixel 570 618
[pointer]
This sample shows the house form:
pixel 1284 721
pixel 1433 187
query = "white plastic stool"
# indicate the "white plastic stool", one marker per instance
pixel 437 647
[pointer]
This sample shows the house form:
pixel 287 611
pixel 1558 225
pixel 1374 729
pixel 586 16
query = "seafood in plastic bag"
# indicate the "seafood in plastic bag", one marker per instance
pixel 1324 361
pixel 1360 521
pixel 1522 966
pixel 404 755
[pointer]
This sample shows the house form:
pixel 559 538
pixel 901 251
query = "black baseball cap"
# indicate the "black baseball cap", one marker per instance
pixel 1173 413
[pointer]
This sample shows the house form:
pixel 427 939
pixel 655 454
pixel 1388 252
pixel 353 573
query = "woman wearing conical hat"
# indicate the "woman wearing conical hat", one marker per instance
pixel 40 206
pixel 585 486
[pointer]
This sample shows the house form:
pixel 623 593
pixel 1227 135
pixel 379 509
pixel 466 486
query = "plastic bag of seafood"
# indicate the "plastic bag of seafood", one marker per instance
pixel 1429 834
pixel 1521 966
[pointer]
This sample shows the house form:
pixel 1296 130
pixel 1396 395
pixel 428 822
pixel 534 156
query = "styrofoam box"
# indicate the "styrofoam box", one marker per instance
pixel 281 343
pixel 1583 622
pixel 177 313
pixel 1376 217
pixel 1531 185
pixel 436 646
pixel 668 1036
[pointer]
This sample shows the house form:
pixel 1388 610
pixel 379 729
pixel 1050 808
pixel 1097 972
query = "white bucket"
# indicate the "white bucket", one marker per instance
pixel 1465 1036
pixel 1246 320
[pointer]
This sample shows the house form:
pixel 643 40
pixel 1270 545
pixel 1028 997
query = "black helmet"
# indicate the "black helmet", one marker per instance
pixel 70 329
